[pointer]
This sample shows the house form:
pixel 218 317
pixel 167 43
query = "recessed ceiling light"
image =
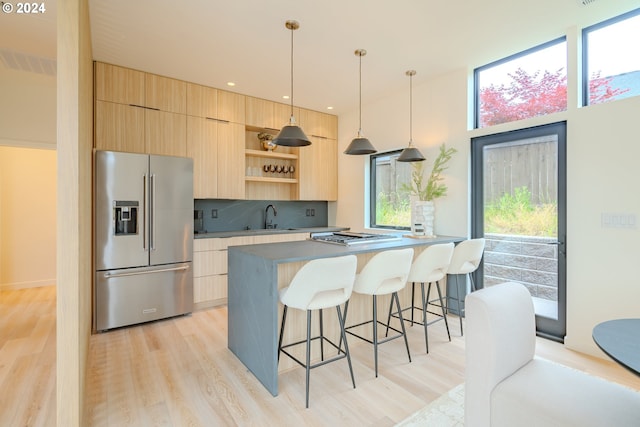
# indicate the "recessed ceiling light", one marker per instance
pixel 231 84
pixel 285 96
pixel 329 108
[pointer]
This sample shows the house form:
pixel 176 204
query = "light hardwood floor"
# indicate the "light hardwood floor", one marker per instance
pixel 178 372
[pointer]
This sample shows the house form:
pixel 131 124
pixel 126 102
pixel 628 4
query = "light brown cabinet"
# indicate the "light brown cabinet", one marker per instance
pixel 165 94
pixel 119 127
pixel 210 264
pixel 318 178
pixel 217 149
pixel 202 101
pixel 145 113
pixel 231 162
pixel 118 84
pixel 215 141
pixel 317 124
pixel 263 114
pixel 165 133
pixel 231 107
pixel 202 147
pixel 139 112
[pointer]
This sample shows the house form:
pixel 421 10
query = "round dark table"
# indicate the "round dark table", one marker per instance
pixel 620 339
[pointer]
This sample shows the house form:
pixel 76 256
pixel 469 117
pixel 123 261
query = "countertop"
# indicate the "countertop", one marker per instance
pixel 262 232
pixel 305 250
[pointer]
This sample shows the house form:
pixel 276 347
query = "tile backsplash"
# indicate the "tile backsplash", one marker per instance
pixel 232 215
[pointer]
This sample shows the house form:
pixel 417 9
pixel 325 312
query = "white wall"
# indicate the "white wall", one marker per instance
pixel 27 109
pixel 603 145
pixel 27 217
pixel 27 179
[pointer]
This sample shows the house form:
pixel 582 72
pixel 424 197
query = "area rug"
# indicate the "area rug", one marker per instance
pixel 445 411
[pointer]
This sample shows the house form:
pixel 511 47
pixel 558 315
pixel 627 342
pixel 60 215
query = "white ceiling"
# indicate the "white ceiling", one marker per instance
pixel 245 41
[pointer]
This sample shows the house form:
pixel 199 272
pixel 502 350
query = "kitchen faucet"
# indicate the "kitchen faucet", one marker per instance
pixel 269 224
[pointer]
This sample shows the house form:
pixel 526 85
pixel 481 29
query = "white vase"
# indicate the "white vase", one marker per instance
pixel 422 217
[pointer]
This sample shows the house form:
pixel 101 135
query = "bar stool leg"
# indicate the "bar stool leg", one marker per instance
pixel 404 331
pixel 343 336
pixel 459 304
pixel 413 298
pixel 308 369
pixel 344 321
pixel 425 302
pixel 375 333
pixel 284 317
pixel 446 322
pixel 386 334
pixel 321 336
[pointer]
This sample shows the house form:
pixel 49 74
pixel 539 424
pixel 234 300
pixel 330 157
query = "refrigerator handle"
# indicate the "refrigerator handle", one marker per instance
pixel 108 274
pixel 145 210
pixel 152 216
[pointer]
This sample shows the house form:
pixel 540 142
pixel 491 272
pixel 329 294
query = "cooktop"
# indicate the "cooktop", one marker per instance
pixel 353 238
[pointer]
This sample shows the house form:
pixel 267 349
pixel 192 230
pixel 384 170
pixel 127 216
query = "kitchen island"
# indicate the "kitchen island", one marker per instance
pixel 256 272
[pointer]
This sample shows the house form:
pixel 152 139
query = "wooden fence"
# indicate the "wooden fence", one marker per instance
pixel 530 163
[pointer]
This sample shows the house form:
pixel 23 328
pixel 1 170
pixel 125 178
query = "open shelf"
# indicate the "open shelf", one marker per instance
pixel 270 179
pixel 270 154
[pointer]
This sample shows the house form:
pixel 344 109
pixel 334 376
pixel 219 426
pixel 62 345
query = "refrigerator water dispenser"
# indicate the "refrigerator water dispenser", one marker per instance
pixel 125 215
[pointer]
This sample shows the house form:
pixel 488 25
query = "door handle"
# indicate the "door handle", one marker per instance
pixel 561 246
pixel 145 212
pixel 109 275
pixel 152 214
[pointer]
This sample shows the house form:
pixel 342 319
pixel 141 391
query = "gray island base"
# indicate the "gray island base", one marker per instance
pixel 255 274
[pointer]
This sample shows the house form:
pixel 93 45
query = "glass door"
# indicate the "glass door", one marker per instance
pixel 519 206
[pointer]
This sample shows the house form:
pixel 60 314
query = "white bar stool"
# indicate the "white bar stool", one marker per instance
pixel 321 283
pixel 429 267
pixel 465 260
pixel 385 273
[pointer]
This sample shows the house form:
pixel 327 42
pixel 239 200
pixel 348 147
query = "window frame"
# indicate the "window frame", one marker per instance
pixel 476 73
pixel 585 49
pixel 372 191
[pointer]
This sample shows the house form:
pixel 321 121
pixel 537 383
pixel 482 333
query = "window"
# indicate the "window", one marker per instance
pixel 390 206
pixel 611 62
pixel 529 84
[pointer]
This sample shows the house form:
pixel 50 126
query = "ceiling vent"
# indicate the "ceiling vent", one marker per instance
pixel 585 2
pixel 29 63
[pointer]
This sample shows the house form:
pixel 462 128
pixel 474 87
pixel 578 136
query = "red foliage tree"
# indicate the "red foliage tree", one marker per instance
pixel 530 95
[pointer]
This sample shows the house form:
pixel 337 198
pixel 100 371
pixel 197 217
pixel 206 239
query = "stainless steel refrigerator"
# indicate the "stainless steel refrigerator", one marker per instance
pixel 143 225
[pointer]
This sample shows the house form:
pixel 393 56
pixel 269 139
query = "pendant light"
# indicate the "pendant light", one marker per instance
pixel 360 145
pixel 291 135
pixel 411 154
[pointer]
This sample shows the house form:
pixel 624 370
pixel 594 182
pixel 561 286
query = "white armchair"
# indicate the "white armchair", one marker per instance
pixel 505 385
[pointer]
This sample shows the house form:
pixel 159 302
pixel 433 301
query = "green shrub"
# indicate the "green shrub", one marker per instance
pixel 515 214
pixel 393 214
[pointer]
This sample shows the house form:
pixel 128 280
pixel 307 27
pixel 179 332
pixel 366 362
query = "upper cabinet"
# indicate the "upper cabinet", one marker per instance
pixel 141 112
pixel 118 84
pixel 317 124
pixel 119 127
pixel 207 102
pixel 202 101
pixel 318 176
pixel 165 94
pixel 264 114
pixel 231 107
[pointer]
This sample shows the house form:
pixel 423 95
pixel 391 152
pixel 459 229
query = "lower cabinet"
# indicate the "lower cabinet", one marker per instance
pixel 210 264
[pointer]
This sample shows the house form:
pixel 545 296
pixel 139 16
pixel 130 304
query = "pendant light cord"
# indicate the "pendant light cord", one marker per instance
pixel 410 109
pixel 291 119
pixel 360 123
pixel 410 73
